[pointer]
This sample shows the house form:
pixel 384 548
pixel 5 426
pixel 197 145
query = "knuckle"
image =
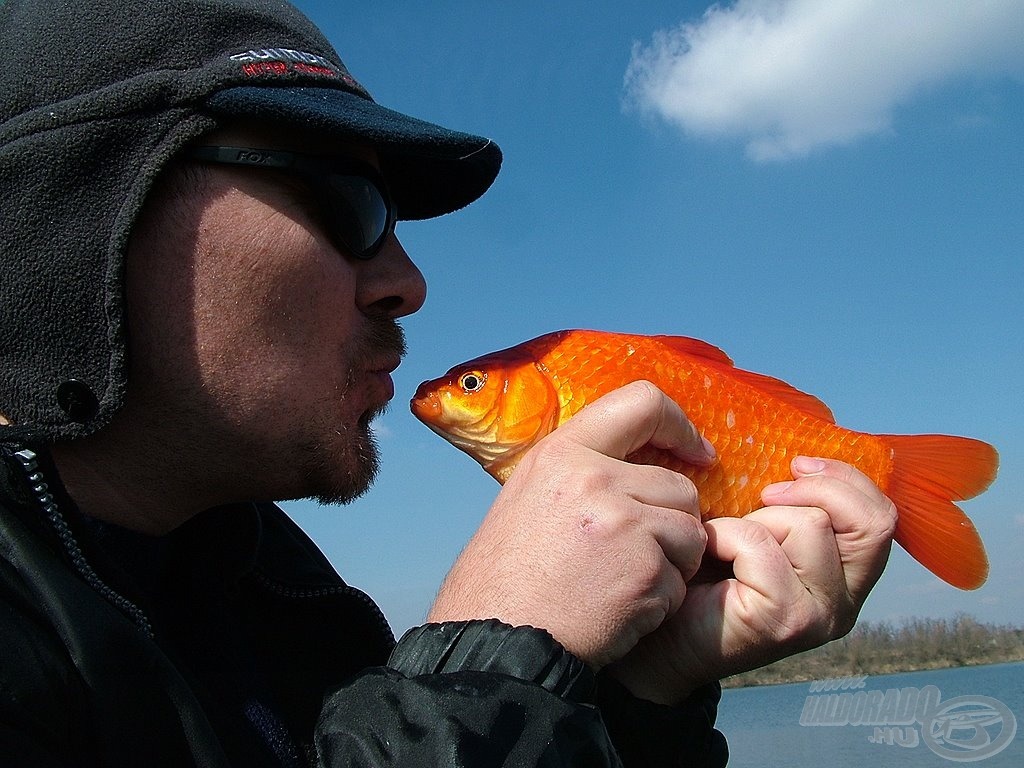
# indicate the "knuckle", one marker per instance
pixel 805 625
pixel 890 516
pixel 694 528
pixel 661 597
pixel 880 517
pixel 756 536
pixel 592 482
pixel 841 469
pixel 538 454
pixel 648 575
pixel 817 520
pixel 838 471
pixel 647 397
pixel 823 485
pixel 657 609
pixel 643 390
pixel 684 485
pixel 701 535
pixel 601 517
pixel 680 489
pixel 554 454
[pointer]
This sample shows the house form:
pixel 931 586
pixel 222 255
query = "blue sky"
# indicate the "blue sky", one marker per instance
pixel 829 192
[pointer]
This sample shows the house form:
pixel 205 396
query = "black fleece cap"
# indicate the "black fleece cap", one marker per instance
pixel 96 97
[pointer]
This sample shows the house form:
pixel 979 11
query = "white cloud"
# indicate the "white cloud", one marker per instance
pixel 789 76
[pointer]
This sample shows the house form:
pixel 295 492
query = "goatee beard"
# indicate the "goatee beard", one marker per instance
pixel 340 477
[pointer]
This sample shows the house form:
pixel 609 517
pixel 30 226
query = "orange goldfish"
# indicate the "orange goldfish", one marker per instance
pixel 497 406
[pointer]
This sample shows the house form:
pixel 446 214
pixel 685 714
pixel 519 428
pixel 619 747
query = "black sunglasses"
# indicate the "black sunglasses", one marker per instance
pixel 353 196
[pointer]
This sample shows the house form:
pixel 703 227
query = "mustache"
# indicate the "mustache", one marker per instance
pixel 382 336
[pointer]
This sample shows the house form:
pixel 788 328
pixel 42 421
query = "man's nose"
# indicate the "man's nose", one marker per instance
pixel 390 284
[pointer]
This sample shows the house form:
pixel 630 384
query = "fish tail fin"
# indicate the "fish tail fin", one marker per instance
pixel 930 472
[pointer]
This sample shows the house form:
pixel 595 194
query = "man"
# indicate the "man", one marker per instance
pixel 201 287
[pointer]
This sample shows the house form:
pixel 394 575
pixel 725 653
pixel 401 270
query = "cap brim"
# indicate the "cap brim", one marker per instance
pixel 430 170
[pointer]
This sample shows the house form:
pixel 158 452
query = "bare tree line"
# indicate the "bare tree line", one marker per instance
pixel 878 648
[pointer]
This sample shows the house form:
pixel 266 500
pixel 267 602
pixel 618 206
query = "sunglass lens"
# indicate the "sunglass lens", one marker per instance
pixel 361 213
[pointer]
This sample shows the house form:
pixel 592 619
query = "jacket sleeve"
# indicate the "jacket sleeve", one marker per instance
pixel 482 693
pixel 645 733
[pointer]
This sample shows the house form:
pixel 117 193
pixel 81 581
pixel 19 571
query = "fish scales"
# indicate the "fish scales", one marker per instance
pixel 727 412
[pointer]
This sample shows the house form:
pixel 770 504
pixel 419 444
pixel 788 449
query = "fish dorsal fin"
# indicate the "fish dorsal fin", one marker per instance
pixel 684 345
pixel 789 394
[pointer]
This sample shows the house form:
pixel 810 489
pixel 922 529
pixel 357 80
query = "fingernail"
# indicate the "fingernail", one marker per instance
pixel 709 449
pixel 806 465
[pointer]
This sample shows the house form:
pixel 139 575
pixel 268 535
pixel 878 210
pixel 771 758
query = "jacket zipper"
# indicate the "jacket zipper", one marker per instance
pixel 302 593
pixel 41 490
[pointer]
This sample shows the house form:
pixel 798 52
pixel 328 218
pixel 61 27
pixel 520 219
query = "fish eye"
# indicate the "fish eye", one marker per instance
pixel 472 381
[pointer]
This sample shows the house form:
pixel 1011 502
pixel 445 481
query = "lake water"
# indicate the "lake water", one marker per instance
pixel 924 719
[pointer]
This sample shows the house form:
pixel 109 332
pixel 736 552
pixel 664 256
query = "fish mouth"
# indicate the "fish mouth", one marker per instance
pixel 425 406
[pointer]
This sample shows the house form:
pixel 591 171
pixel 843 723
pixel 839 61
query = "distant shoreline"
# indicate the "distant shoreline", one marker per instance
pixel 884 649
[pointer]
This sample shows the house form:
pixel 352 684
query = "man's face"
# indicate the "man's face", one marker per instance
pixel 257 348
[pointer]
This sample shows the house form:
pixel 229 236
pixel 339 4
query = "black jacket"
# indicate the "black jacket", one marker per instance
pixel 232 641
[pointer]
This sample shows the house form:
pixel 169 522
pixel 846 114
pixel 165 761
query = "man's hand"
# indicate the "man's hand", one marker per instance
pixel 593 549
pixel 803 566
